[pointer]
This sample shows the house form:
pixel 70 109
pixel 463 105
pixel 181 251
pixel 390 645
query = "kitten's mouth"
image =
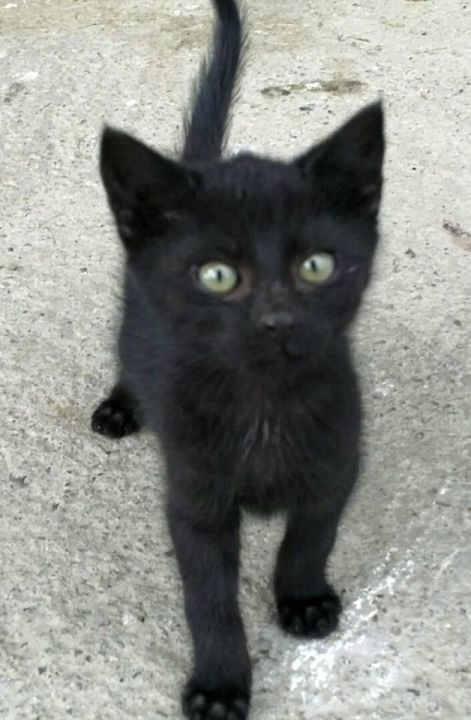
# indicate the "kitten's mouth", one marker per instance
pixel 292 348
pixel 278 354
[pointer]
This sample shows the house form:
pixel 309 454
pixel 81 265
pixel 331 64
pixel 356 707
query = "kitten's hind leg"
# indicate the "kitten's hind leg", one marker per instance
pixel 116 416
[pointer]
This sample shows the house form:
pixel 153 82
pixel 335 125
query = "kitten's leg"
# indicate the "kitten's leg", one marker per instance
pixel 208 559
pixel 307 606
pixel 116 416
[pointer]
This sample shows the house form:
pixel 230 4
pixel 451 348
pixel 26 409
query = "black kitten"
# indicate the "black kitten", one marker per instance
pixel 242 278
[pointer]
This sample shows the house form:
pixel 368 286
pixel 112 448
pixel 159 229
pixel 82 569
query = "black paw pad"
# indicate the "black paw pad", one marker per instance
pixel 114 419
pixel 311 617
pixel 199 704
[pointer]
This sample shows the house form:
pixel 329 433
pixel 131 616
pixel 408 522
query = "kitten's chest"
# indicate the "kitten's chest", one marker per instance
pixel 274 453
pixel 259 446
pixel 264 437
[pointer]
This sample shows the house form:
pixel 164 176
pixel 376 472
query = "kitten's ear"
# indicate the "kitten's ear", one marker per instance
pixel 146 191
pixel 348 164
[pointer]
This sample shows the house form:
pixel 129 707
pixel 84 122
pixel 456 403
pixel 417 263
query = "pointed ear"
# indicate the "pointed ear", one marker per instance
pixel 146 191
pixel 347 166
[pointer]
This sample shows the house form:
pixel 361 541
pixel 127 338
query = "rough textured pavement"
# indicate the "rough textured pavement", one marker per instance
pixel 91 612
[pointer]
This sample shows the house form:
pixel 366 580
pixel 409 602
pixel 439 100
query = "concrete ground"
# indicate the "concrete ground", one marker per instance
pixel 91 612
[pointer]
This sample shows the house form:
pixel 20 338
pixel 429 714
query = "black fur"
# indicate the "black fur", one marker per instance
pixel 253 394
pixel 206 123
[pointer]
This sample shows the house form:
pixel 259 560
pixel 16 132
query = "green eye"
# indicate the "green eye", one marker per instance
pixel 217 277
pixel 318 268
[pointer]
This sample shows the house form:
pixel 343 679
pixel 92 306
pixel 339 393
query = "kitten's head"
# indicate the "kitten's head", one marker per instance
pixel 251 263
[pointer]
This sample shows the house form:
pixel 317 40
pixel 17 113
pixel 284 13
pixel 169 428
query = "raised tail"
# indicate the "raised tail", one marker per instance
pixel 206 122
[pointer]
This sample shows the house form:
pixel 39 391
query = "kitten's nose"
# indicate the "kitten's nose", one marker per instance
pixel 278 322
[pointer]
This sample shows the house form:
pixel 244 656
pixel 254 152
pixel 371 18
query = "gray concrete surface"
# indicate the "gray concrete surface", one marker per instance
pixel 91 613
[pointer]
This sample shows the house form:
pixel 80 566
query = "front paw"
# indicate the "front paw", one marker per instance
pixel 114 418
pixel 310 617
pixel 216 704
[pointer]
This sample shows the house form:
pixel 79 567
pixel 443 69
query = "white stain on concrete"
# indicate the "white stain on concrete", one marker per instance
pixel 30 76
